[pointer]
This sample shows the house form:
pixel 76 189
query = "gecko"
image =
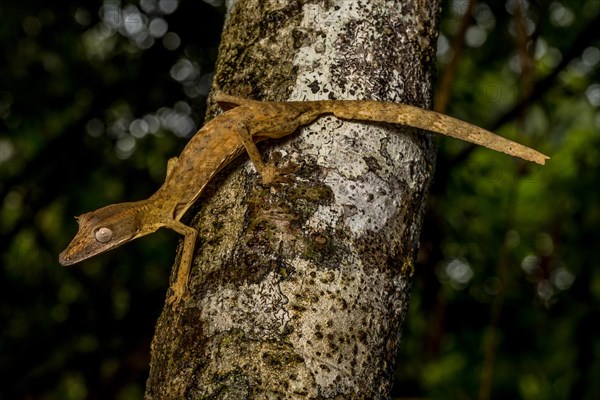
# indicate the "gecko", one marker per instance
pixel 244 123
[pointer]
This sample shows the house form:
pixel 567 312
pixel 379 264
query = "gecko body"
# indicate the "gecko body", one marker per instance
pixel 225 137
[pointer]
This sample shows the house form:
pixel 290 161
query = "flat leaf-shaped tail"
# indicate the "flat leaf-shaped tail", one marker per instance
pixel 403 114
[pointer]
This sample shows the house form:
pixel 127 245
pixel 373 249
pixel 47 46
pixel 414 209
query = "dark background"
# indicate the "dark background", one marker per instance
pixel 96 97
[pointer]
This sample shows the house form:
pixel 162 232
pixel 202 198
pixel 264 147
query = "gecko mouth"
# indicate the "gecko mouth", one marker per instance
pixel 65 260
pixel 70 256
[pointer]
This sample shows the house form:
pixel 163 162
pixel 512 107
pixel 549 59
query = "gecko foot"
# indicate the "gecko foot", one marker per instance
pixel 173 300
pixel 271 174
pixel 176 296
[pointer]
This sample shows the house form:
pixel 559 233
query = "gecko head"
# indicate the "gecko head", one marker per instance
pixel 102 230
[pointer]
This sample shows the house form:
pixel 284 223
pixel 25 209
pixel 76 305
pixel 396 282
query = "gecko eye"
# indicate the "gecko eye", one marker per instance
pixel 103 235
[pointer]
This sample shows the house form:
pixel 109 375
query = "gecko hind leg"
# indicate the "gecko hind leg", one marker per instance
pixel 269 173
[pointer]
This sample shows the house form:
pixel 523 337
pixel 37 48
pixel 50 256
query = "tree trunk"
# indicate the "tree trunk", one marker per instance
pixel 300 290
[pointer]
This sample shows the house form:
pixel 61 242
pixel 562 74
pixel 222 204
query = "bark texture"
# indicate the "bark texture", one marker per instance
pixel 299 291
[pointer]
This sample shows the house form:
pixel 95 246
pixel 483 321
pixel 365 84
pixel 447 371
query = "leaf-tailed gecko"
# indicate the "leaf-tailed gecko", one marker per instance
pixel 222 139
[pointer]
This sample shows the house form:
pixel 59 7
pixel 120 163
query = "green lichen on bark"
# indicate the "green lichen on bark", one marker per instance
pixel 259 35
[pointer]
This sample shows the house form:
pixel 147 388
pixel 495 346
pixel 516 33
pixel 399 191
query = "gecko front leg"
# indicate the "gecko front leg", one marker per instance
pixel 180 285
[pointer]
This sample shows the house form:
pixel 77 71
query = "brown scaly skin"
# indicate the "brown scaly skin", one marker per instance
pixel 224 138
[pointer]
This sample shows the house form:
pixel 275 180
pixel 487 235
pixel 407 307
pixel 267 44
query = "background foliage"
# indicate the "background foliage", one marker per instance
pixel 95 97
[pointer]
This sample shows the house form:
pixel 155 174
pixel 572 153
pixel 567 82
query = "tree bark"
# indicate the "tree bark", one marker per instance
pixel 300 290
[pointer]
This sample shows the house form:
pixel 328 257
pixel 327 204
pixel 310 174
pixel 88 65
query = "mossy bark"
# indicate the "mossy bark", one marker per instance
pixel 300 290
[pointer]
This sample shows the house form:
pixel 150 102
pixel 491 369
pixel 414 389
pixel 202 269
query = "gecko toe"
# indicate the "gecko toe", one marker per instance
pixel 272 174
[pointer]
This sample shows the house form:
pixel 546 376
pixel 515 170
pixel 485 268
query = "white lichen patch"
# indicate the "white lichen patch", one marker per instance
pixel 373 207
pixel 255 308
pixel 357 205
pixel 360 163
pixel 337 349
pixel 314 61
pixel 341 145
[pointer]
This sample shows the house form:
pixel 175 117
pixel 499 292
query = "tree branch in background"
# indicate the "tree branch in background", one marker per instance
pixel 525 46
pixel 442 95
pixel 584 39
